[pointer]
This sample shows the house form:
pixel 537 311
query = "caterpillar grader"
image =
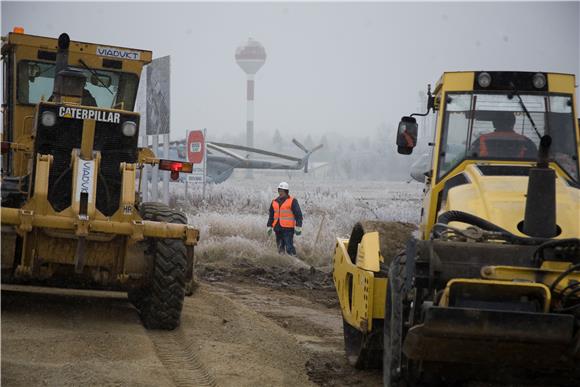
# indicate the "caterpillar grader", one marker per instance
pixel 71 209
pixel 488 288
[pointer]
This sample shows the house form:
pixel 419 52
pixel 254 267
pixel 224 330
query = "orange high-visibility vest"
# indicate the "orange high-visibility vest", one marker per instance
pixel 283 213
pixel 483 149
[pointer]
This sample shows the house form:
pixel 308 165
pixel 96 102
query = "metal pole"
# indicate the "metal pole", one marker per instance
pixel 166 173
pixel 166 138
pixel 145 170
pixel 187 159
pixel 142 109
pixel 204 163
pixel 155 174
pixel 250 117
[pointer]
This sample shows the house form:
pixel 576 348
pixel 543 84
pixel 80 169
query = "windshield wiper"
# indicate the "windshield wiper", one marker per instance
pixel 96 75
pixel 545 140
pixel 527 113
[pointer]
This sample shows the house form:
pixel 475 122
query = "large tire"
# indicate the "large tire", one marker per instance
pixel 160 302
pixel 394 374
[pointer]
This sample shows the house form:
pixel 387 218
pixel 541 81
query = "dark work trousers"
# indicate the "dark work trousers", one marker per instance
pixel 285 240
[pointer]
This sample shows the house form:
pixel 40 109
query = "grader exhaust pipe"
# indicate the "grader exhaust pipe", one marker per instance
pixel 68 82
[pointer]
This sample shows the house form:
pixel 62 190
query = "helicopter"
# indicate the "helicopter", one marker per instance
pixel 223 158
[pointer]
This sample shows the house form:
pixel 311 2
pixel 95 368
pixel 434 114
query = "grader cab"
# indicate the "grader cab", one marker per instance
pixel 71 209
pixel 489 289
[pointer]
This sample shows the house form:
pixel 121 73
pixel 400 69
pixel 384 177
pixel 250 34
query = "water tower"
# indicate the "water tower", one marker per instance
pixel 250 56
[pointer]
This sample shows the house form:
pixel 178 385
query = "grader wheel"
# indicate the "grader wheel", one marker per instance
pixel 365 350
pixel 161 300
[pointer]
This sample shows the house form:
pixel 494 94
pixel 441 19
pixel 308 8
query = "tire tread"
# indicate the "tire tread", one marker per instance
pixel 161 303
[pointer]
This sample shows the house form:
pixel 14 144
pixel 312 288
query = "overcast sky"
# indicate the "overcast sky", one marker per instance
pixel 331 67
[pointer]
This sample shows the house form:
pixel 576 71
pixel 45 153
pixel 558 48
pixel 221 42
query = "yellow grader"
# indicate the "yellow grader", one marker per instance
pixel 489 288
pixel 71 209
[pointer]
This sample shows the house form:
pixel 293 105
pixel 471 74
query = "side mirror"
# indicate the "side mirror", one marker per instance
pixel 101 80
pixel 407 135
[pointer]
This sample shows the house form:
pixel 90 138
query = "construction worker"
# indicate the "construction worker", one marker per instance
pixel 285 219
pixel 504 141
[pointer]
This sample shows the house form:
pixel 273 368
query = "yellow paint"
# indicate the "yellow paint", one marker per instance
pixel 368 252
pixel 43 163
pixel 146 155
pixel 501 199
pixel 546 275
pixel 379 297
pixel 15 216
pixel 127 202
pixel 561 83
pixel 356 289
pixel 458 81
pixel 497 288
pixel 88 139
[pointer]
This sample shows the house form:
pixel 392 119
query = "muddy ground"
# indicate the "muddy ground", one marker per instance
pixel 303 302
pixel 244 326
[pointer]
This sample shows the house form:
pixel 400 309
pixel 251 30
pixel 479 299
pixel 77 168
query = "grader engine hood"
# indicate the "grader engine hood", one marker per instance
pixel 497 193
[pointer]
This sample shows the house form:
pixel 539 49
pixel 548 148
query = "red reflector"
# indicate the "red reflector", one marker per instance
pixel 175 166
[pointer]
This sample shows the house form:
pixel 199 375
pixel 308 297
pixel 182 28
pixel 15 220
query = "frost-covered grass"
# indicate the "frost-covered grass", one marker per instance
pixel 232 218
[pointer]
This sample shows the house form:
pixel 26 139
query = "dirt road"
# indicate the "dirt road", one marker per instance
pixel 236 330
pixel 303 303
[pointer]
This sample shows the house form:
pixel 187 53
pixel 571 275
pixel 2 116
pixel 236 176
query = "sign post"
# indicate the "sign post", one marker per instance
pixel 204 165
pixel 141 107
pixel 186 177
pixel 158 117
pixel 196 154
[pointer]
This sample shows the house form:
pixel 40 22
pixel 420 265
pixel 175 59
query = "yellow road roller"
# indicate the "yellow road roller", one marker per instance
pixel 489 287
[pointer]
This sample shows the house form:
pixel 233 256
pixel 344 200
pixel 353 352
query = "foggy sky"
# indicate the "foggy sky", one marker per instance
pixel 331 67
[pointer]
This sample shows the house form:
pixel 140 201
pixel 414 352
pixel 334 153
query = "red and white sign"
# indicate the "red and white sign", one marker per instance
pixel 196 155
pixel 195 146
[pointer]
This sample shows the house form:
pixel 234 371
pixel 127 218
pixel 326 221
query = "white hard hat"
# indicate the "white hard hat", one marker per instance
pixel 284 185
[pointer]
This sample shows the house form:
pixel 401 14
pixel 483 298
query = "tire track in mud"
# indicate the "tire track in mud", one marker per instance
pixel 179 357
